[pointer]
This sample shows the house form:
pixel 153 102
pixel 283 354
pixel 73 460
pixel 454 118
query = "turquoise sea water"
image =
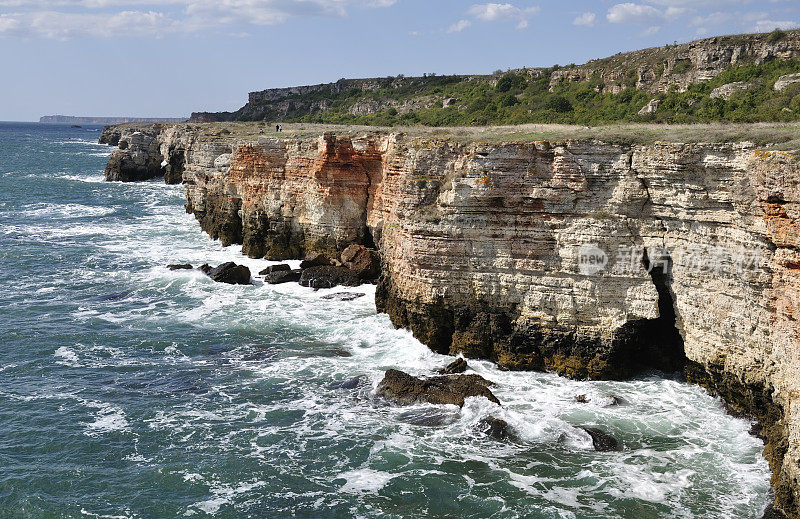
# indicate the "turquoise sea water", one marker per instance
pixel 128 390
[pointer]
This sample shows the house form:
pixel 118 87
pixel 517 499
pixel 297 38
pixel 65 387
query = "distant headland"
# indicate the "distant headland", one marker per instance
pixel 108 120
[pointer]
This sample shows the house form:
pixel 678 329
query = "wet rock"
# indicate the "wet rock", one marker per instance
pixel 602 442
pixel 343 296
pixel 403 389
pixel 350 383
pixel 231 273
pixel 315 259
pixel 205 268
pixel 428 416
pixel 283 276
pixel 495 428
pixel 328 277
pixel 457 366
pixel 282 267
pixel 364 262
pixel 180 266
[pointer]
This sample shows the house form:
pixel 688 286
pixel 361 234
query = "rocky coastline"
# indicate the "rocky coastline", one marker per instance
pixel 581 257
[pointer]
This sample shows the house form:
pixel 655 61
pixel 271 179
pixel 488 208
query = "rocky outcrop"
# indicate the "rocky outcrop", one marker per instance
pixel 403 389
pixel 228 272
pixel 726 91
pixel 588 259
pixel 786 81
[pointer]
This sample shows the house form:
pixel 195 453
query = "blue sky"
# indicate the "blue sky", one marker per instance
pixel 171 57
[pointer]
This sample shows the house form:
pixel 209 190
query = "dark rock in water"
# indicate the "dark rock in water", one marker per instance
pixel 283 276
pixel 180 266
pixel 114 296
pixel 343 296
pixel 495 428
pixel 315 259
pixel 457 366
pixel 404 389
pixel 583 399
pixel 328 277
pixel 428 416
pixel 602 442
pixel 205 268
pixel 350 383
pixel 365 263
pixel 231 273
pixel 282 267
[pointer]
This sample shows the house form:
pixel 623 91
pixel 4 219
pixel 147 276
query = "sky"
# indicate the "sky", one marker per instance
pixel 168 58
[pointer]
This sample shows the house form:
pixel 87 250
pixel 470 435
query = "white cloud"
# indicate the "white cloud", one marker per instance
pixel 503 12
pixel 770 25
pixel 633 13
pixel 64 19
pixel 459 26
pixel 585 20
pixel 643 14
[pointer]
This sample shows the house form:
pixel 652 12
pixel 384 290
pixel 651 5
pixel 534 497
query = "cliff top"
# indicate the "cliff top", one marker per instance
pixel 740 78
pixel 776 136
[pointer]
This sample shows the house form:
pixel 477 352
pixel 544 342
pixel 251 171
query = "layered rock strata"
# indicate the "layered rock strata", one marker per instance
pixel 584 258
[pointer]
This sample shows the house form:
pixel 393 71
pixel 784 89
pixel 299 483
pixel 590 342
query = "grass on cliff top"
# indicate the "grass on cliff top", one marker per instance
pixel 777 136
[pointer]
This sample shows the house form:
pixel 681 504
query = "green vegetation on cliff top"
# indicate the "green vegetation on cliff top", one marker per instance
pixel 518 97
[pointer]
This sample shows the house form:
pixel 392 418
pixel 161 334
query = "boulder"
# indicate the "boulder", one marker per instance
pixel 180 266
pixel 403 389
pixel 205 268
pixel 231 273
pixel 328 277
pixel 495 428
pixel 283 276
pixel 602 442
pixel 364 262
pixel 315 259
pixel 457 366
pixel 282 267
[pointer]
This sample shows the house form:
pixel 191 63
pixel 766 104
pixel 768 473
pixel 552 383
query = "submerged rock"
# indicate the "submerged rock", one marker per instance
pixel 404 389
pixel 180 266
pixel 350 383
pixel 428 416
pixel 602 442
pixel 283 276
pixel 229 272
pixel 343 296
pixel 281 267
pixel 457 366
pixel 328 276
pixel 495 428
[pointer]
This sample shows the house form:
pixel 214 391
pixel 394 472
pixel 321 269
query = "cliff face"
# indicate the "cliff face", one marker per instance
pixel 579 257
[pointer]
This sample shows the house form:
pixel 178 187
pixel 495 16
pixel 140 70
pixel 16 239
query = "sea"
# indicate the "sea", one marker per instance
pixel 128 390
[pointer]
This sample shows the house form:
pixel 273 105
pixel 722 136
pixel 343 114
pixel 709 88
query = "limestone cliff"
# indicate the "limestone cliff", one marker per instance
pixel 585 258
